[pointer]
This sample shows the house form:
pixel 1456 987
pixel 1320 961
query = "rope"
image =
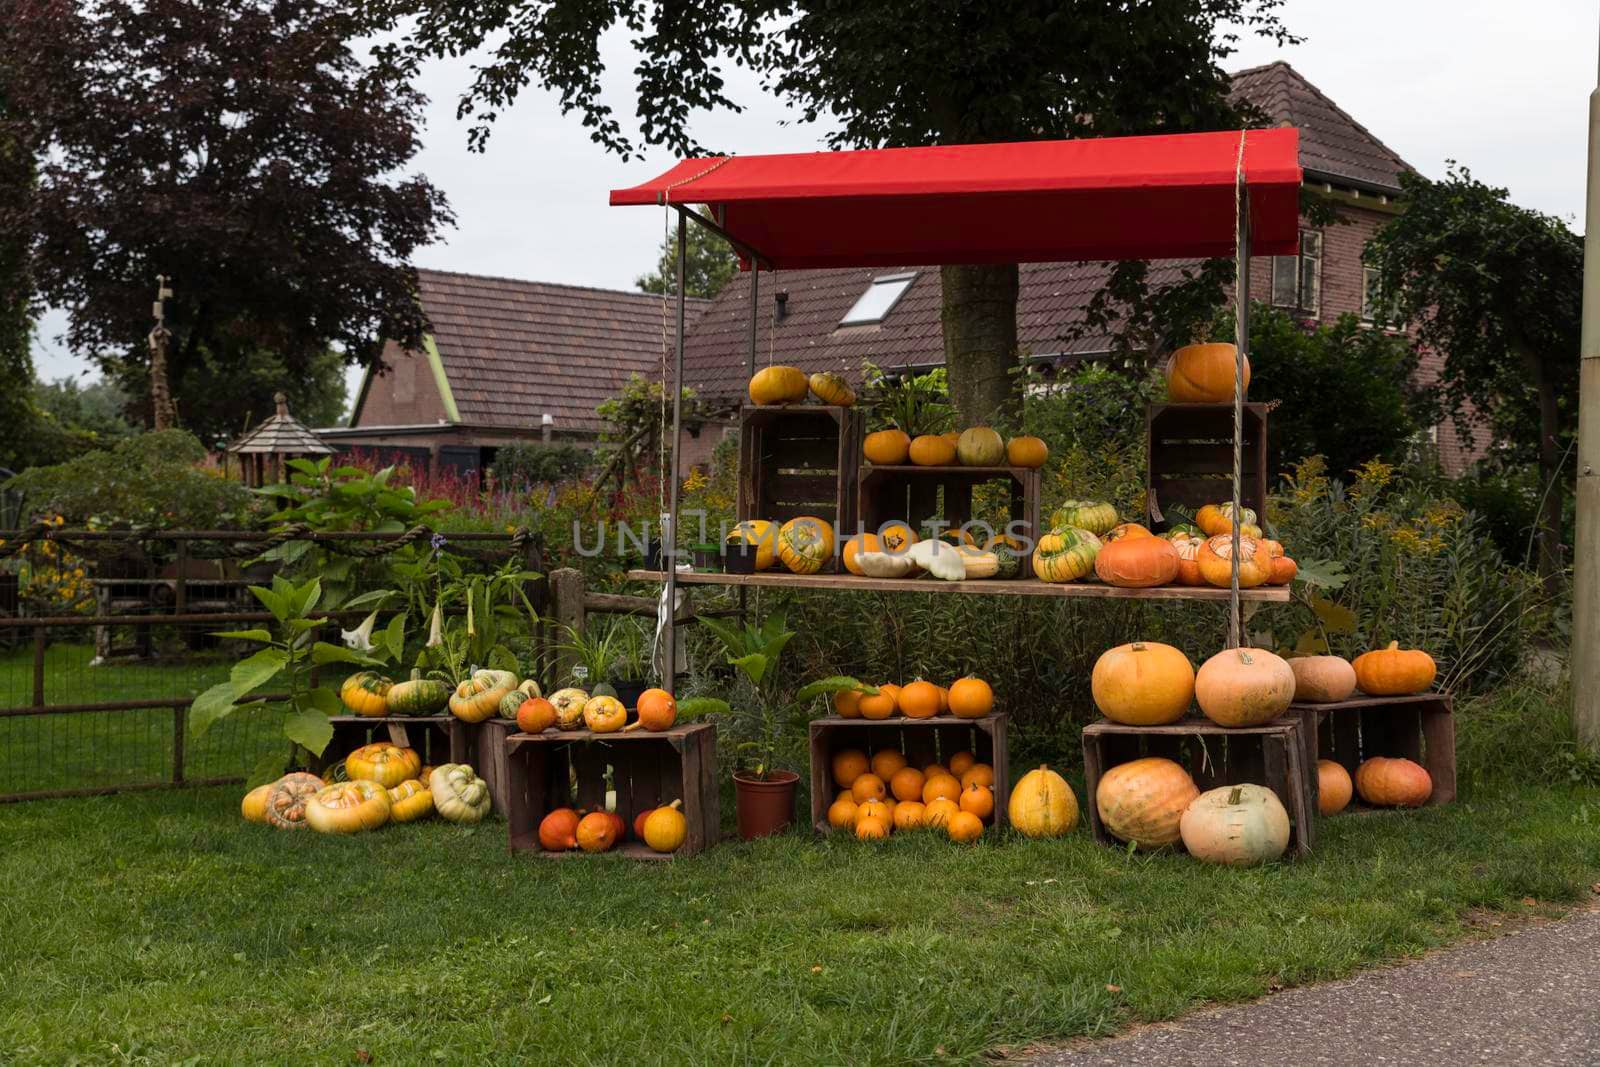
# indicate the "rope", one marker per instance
pixel 1240 340
pixel 665 196
pixel 661 437
pixel 520 539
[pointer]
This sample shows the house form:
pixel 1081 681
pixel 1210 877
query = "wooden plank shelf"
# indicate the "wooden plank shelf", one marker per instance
pixel 915 494
pixel 848 583
pixel 1420 727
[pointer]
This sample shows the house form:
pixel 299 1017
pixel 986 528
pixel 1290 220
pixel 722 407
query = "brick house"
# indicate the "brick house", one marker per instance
pixel 838 319
pixel 506 361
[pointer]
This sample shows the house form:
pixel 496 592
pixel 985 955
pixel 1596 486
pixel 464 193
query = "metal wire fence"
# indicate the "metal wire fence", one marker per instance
pixel 107 638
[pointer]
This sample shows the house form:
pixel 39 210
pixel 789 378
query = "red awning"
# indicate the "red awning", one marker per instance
pixel 1167 197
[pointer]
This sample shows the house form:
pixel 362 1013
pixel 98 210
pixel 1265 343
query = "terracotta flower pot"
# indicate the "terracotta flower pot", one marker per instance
pixel 765 805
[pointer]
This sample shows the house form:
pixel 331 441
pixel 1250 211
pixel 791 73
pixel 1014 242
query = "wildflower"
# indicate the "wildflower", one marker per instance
pixel 360 639
pixel 438 541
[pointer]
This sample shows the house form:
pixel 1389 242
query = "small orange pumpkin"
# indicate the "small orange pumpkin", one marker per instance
pixel 1216 519
pixel 978 799
pixel 848 765
pixel 597 832
pixel 970 698
pixel 842 812
pixel 863 542
pixel 1333 787
pixel 871 828
pixel 964 827
pixel 1026 451
pixel 1394 671
pixel 1393 783
pixel 657 710
pixel 1216 561
pixel 936 814
pixel 1137 562
pixel 1322 679
pixel 919 700
pixel 535 715
pixel 931 450
pixel 886 761
pixel 1126 531
pixel 941 786
pixel 558 831
pixel 1188 549
pixel 884 704
pixel 906 784
pixel 977 774
pixel 604 715
pixel 908 815
pixel 887 448
pixel 867 787
pixel 847 704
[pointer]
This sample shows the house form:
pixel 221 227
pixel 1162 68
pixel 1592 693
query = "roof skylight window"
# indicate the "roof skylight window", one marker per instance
pixel 874 305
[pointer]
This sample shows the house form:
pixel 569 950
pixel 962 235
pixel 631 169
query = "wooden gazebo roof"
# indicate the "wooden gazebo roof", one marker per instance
pixel 281 435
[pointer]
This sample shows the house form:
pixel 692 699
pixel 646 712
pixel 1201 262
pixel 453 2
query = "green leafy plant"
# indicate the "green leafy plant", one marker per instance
pixel 289 652
pixel 916 404
pixel 481 637
pixel 765 711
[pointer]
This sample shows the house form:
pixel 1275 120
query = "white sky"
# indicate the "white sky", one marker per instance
pixel 1502 87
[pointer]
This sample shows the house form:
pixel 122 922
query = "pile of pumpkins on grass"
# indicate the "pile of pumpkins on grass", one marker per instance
pixel 384 783
pixel 1085 537
pixel 1153 802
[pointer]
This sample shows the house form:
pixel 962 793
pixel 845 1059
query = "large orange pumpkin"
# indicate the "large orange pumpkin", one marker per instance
pixel 779 385
pixel 1143 801
pixel 1026 451
pixel 1322 679
pixel 1137 562
pixel 1144 683
pixel 1394 671
pixel 1215 560
pixel 1203 374
pixel 1393 783
pixel 1333 787
pixel 887 448
pixel 931 450
pixel 1244 687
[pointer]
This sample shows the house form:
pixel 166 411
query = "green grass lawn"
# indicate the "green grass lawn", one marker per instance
pixel 161 929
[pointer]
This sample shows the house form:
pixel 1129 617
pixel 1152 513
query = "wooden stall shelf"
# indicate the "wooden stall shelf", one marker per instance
pixel 922 741
pixel 1190 452
pixel 1420 728
pixel 485 753
pixel 437 738
pixel 800 459
pixel 567 768
pixel 1272 755
pixel 914 495
pixel 847 583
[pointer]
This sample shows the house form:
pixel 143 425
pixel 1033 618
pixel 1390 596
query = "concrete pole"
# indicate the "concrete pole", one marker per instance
pixel 1585 658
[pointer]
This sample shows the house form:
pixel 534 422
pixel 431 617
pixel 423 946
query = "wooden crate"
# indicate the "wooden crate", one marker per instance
pixel 1190 449
pixel 915 494
pixel 484 751
pixel 1272 755
pixel 800 459
pixel 567 768
pixel 437 738
pixel 1421 728
pixel 922 741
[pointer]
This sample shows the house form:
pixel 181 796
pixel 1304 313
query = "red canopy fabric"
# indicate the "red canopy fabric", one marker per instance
pixel 1166 197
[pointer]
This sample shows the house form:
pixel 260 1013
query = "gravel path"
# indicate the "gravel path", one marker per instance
pixel 1529 997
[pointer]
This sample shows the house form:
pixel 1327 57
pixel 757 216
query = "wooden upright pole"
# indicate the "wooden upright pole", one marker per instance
pixel 1585 658
pixel 163 414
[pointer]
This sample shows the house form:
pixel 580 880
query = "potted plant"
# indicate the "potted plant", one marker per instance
pixel 763 713
pixel 615 660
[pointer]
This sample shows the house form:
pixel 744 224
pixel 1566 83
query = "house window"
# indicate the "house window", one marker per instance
pixel 1376 306
pixel 1297 280
pixel 880 298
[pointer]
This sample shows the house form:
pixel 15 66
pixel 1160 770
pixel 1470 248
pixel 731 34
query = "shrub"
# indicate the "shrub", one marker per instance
pixel 530 463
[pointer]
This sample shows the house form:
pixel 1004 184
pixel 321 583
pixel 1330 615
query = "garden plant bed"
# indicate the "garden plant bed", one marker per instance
pixel 800 459
pixel 437 738
pixel 913 495
pixel 1272 755
pixel 647 770
pixel 1274 594
pixel 1420 728
pixel 922 741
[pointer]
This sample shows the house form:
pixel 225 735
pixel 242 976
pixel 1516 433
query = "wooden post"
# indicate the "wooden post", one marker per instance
pixel 1585 654
pixel 38 666
pixel 165 415
pixel 566 596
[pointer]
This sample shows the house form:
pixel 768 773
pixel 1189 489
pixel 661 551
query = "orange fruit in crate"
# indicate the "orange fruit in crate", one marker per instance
pixel 964 827
pixel 908 815
pixel 919 700
pixel 864 542
pixel 977 799
pixel 882 705
pixel 944 700
pixel 906 784
pixel 937 813
pixel 848 765
pixel 978 774
pixel 934 770
pixel 842 812
pixel 971 698
pixel 875 809
pixel 872 828
pixel 887 447
pixel 960 762
pixel 942 785
pixel 868 787
pixel 847 705
pixel 886 761
pixel 596 832
pixel 896 536
pixel 657 710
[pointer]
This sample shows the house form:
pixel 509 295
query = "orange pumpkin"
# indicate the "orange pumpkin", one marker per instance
pixel 886 761
pixel 978 799
pixel 977 774
pixel 1394 671
pixel 1137 562
pixel 863 542
pixel 1333 787
pixel 1126 531
pixel 867 787
pixel 1026 451
pixel 1244 687
pixel 931 450
pixel 1283 571
pixel 908 815
pixel 1216 561
pixel 906 784
pixel 597 832
pixel 936 814
pixel 971 698
pixel 1188 550
pixel 779 385
pixel 1144 683
pixel 1144 800
pixel 1393 783
pixel 842 812
pixel 887 448
pixel 1203 374
pixel 657 710
pixel 919 700
pixel 847 704
pixel 896 537
pixel 871 828
pixel 941 786
pixel 849 765
pixel 1322 679
pixel 535 715
pixel 604 715
pixel 558 831
pixel 885 704
pixel 1217 519
pixel 964 827
pixel 960 762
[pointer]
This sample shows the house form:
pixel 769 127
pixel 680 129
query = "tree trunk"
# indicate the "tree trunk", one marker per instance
pixel 1552 498
pixel 162 413
pixel 980 341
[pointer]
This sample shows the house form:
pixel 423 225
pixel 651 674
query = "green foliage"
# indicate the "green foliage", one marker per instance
pixel 638 420
pixel 529 463
pixel 151 481
pixel 614 649
pixel 1506 497
pixel 1344 391
pixel 916 404
pixel 708 264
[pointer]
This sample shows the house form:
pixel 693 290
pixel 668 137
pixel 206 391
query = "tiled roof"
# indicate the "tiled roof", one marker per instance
pixel 515 350
pixel 1053 296
pixel 1333 146
pixel 281 435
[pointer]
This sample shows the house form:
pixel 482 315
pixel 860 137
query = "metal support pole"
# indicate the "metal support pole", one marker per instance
pixel 1241 343
pixel 755 296
pixel 1585 653
pixel 669 535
